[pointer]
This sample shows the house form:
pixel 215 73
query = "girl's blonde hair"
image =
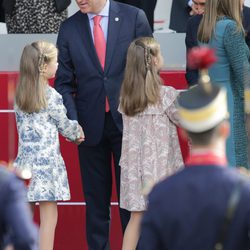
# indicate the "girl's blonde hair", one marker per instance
pixel 30 93
pixel 141 84
pixel 215 9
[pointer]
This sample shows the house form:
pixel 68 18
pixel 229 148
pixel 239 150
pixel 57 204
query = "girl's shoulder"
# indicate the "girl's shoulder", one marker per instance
pixel 52 95
pixel 18 111
pixel 16 108
pixel 168 95
pixel 51 91
pixel 120 109
pixel 168 89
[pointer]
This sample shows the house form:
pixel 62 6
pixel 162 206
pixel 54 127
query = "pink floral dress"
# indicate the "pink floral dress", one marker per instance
pixel 150 150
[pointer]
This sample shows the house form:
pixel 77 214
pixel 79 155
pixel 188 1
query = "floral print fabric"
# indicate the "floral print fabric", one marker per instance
pixel 35 16
pixel 39 149
pixel 150 150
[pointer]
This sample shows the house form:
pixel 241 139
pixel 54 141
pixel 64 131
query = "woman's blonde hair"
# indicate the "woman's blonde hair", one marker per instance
pixel 30 93
pixel 141 84
pixel 215 9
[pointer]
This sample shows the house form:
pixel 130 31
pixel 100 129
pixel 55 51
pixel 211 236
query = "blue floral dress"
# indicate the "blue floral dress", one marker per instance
pixel 39 149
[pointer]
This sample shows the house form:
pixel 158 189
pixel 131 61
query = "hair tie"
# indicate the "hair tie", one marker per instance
pixel 147 57
pixel 147 54
pixel 41 62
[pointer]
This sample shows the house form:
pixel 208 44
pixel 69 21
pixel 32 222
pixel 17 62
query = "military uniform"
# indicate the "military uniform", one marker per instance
pixel 192 210
pixel 16 225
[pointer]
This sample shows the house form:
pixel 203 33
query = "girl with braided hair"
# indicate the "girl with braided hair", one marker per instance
pixel 40 115
pixel 150 145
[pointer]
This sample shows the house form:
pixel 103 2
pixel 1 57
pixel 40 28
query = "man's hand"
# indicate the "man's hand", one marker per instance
pixel 79 140
pixel 9 247
pixel 197 7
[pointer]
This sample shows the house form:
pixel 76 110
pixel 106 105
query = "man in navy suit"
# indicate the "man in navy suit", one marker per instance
pixel 206 205
pixel 16 225
pixel 191 39
pixel 87 88
pixel 180 12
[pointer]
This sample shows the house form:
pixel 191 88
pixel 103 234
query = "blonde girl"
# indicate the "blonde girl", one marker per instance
pixel 40 115
pixel 150 146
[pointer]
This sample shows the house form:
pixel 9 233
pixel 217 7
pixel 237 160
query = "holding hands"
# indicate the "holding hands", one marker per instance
pixel 79 140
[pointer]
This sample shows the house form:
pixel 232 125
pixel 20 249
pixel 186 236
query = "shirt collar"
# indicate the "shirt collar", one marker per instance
pixel 103 12
pixel 205 158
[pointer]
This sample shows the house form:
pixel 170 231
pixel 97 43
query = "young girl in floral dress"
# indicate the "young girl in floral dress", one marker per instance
pixel 150 145
pixel 40 115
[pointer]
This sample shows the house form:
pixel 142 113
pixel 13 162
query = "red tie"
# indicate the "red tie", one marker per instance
pixel 100 46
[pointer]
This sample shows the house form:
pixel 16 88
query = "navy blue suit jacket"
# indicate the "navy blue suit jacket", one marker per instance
pixel 191 39
pixel 179 15
pixel 186 211
pixel 80 78
pixel 15 217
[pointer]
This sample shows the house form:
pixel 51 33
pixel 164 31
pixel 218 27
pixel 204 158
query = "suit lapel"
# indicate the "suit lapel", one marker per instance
pixel 87 41
pixel 113 32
